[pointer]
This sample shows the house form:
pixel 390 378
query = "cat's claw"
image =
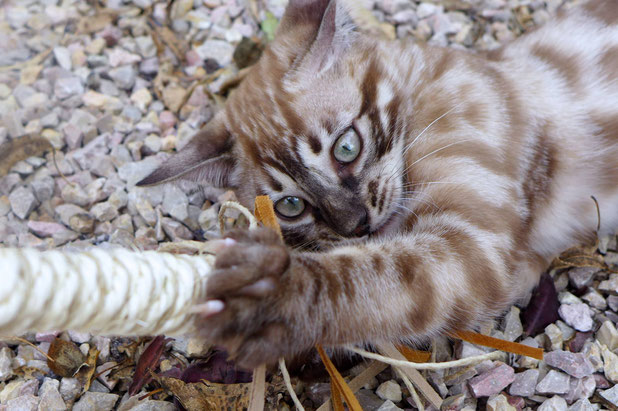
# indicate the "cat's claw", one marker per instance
pixel 242 311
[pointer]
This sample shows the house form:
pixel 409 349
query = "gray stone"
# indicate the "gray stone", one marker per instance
pixel 499 403
pixel 555 382
pixel 608 335
pixel 46 228
pixel 368 400
pixel 5 205
pixel 23 202
pixel 63 57
pixel 43 188
pixel 574 364
pixel 611 395
pixel 491 382
pixel 134 172
pixel 104 211
pixel 608 286
pixel 50 398
pixel 610 364
pixel 150 405
pixel 388 406
pixel 389 390
pixel 218 50
pixel 513 328
pixel 67 87
pixel 22 403
pixel 555 403
pixel 70 388
pixel 524 383
pixel 96 401
pixel 124 76
pixel 50 120
pixel 74 194
pixel 612 302
pixel 582 405
pixel 175 202
pixel 175 230
pixel 595 299
pixel 580 388
pixel 6 369
pixel 578 316
pixel 582 276
pixel 14 124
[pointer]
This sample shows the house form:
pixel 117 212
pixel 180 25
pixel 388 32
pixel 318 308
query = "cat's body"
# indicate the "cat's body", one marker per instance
pixel 469 173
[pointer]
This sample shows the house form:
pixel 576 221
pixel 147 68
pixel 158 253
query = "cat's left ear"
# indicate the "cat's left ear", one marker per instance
pixel 208 158
pixel 336 33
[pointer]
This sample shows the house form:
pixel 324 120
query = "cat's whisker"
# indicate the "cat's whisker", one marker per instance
pixel 435 151
pixel 427 128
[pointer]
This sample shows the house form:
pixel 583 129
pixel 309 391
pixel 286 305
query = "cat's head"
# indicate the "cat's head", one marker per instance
pixel 315 126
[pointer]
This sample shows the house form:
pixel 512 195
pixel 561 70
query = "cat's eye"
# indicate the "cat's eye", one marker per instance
pixel 347 147
pixel 290 207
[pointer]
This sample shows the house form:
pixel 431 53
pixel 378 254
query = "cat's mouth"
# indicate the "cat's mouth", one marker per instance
pixel 387 226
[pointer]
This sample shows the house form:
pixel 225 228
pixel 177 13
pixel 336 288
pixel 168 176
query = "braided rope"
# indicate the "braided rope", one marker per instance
pixel 113 292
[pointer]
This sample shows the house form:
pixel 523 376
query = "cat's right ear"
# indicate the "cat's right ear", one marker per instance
pixel 207 159
pixel 314 33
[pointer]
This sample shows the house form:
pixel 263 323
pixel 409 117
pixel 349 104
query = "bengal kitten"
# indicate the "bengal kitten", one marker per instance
pixel 420 190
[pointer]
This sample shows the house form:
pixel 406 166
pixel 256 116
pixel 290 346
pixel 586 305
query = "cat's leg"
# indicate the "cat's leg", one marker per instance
pixel 277 303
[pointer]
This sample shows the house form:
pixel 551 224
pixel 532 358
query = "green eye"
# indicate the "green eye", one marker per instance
pixel 290 206
pixel 347 147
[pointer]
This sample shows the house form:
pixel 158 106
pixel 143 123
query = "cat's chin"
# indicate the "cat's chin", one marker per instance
pixel 389 226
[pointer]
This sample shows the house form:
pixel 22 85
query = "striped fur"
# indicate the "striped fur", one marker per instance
pixel 474 172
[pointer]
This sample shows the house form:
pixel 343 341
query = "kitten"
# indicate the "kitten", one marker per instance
pixel 424 189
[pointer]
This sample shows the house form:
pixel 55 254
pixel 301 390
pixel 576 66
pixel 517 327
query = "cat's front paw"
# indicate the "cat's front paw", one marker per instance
pixel 246 295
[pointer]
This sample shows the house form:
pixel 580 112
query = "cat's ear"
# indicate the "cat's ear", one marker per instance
pixel 327 30
pixel 208 159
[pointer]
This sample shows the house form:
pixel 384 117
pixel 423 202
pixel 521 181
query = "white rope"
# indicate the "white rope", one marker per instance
pixel 427 366
pixel 288 384
pixel 413 393
pixel 110 292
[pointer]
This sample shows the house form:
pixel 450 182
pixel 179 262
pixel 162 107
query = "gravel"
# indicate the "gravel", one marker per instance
pixel 114 106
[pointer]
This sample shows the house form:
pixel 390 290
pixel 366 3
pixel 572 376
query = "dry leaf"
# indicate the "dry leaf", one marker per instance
pixel 29 74
pixel 86 370
pixel 92 24
pixel 367 22
pixel 147 363
pixel 582 256
pixel 542 309
pixel 14 151
pixel 208 396
pixel 163 36
pixel 66 358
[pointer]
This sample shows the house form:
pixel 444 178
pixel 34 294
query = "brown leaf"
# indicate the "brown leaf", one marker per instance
pixel 92 24
pixel 582 256
pixel 542 309
pixel 66 358
pixel 205 395
pixel 14 151
pixel 86 370
pixel 163 36
pixel 148 362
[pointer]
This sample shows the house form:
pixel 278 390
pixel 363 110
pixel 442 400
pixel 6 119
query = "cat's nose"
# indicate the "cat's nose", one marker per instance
pixel 363 226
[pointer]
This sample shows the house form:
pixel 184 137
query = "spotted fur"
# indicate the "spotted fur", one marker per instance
pixel 474 172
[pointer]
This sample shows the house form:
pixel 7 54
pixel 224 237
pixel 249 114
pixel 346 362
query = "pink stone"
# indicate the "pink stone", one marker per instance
pixel 193 59
pixel 45 229
pixel 198 98
pixel 47 336
pixel 73 136
pixel 166 120
pixel 492 382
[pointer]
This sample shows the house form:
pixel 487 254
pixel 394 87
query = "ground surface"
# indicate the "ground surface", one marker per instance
pixel 116 86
